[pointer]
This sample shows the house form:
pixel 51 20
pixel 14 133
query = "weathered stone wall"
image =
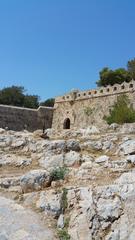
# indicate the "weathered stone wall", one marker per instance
pixel 89 107
pixel 81 108
pixel 17 118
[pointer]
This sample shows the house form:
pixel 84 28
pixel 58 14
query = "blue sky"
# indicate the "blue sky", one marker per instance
pixel 53 46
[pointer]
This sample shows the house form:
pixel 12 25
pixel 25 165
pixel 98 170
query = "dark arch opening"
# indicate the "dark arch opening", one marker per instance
pixel 66 124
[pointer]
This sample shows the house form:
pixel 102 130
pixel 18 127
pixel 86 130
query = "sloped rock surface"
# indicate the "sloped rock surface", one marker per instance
pixel 18 223
pixel 94 201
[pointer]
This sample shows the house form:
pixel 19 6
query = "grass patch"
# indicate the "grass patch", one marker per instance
pixel 64 202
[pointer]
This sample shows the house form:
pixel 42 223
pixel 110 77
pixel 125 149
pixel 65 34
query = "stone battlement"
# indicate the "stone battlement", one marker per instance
pixel 80 109
pixel 77 109
pixel 99 92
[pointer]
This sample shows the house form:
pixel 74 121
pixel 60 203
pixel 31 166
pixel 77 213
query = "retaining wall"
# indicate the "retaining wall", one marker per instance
pixel 17 118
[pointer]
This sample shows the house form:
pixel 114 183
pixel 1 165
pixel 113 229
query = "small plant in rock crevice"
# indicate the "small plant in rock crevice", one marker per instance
pixel 66 222
pixel 88 111
pixel 63 234
pixel 58 173
pixel 64 202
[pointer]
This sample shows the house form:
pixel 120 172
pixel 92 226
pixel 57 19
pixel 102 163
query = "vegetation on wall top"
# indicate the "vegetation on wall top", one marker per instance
pixel 111 77
pixel 48 103
pixel 15 96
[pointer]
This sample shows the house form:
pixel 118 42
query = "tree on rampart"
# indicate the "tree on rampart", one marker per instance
pixel 48 103
pixel 12 96
pixel 131 67
pixel 31 101
pixel 15 96
pixel 108 76
pixel 111 77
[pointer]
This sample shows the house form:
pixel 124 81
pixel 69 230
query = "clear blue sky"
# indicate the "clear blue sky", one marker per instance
pixel 53 46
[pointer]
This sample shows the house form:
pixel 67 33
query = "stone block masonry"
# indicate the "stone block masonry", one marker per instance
pixel 18 118
pixel 80 109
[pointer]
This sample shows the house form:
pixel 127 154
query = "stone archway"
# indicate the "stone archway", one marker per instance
pixel 66 124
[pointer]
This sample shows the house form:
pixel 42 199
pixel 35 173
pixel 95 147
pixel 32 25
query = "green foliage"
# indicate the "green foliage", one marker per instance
pixel 12 96
pixel 63 234
pixel 64 202
pixel 58 173
pixel 122 112
pixel 131 68
pixel 66 222
pixel 110 77
pixel 31 101
pixel 15 96
pixel 48 103
pixel 88 111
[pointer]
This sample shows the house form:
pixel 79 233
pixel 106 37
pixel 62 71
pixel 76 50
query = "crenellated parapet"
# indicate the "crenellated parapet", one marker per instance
pixel 98 92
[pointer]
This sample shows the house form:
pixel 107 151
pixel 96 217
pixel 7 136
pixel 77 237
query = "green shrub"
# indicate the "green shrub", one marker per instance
pixel 63 234
pixel 48 103
pixel 58 173
pixel 66 222
pixel 122 111
pixel 88 111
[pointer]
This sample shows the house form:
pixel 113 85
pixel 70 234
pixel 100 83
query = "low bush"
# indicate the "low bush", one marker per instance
pixel 121 112
pixel 66 222
pixel 88 111
pixel 58 173
pixel 63 234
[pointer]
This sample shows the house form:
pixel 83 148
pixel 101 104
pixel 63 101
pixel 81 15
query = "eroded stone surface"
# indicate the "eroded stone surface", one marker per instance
pixel 98 191
pixel 18 223
pixel 34 180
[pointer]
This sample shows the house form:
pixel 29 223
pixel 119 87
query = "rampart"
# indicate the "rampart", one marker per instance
pixel 18 118
pixel 77 109
pixel 83 108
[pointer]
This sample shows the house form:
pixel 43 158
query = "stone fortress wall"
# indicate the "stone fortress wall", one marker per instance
pixel 83 108
pixel 18 118
pixel 78 109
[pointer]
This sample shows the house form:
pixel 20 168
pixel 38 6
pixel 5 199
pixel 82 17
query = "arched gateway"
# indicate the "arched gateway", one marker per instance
pixel 66 124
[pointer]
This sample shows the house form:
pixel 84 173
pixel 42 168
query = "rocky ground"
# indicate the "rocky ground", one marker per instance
pixel 94 201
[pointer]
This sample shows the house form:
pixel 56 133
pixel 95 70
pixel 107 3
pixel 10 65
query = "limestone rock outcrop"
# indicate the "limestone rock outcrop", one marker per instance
pixel 34 180
pixel 77 183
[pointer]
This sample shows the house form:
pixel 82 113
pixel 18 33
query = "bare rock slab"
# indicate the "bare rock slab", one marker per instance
pixel 34 180
pixel 18 223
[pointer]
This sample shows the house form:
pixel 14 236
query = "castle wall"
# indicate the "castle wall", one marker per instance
pixel 89 107
pixel 17 118
pixel 82 108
